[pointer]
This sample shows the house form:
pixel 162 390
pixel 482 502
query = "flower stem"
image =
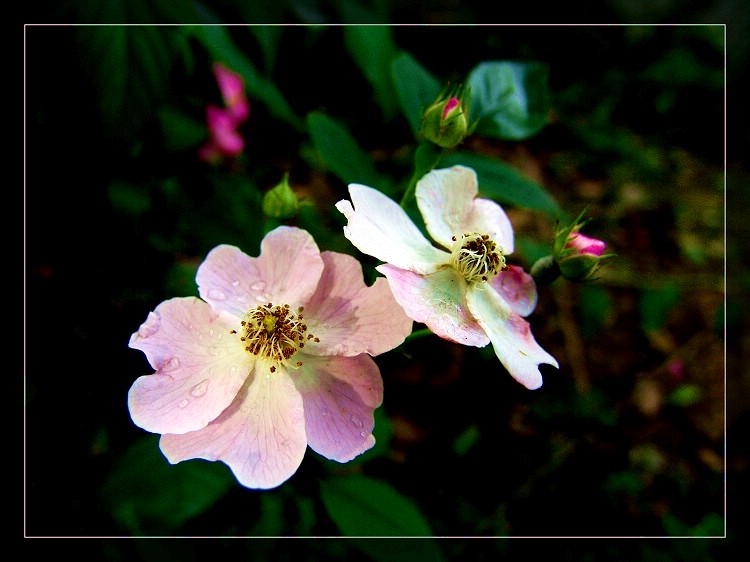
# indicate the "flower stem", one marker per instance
pixel 426 157
pixel 418 334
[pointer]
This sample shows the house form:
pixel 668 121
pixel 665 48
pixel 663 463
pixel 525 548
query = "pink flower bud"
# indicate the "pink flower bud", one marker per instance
pixel 585 245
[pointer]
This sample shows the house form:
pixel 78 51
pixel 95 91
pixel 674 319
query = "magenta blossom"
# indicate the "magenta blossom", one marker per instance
pixel 463 290
pixel 585 245
pixel 275 357
pixel 225 140
pixel 232 89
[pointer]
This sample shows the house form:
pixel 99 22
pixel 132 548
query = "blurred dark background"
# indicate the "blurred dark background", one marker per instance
pixel 642 432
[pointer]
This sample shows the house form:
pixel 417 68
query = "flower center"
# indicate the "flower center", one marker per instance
pixel 477 257
pixel 274 332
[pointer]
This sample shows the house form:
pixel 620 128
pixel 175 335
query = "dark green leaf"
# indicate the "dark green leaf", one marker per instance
pixel 373 48
pixel 364 507
pixel 594 305
pixel 147 495
pixel 181 131
pixel 505 184
pixel 511 100
pixel 342 154
pixel 416 88
pixel 218 42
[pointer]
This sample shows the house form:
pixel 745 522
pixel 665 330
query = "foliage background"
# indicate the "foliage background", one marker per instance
pixel 618 442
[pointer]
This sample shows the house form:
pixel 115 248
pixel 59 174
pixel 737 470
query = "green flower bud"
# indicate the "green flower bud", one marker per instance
pixel 281 202
pixel 446 121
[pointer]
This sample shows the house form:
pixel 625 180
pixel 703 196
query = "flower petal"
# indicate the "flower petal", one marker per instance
pixel 199 367
pixel 261 436
pixel 350 318
pixel 436 300
pixel 517 288
pixel 487 217
pixel 340 395
pixel 511 336
pixel 287 271
pixel 445 199
pixel 378 227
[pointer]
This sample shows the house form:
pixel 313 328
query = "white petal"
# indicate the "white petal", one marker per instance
pixel 510 335
pixel 487 217
pixel 445 199
pixel 379 227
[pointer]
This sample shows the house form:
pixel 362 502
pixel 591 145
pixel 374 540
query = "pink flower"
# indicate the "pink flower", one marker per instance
pixel 584 245
pixel 463 291
pixel 224 140
pixel 274 358
pixel 232 89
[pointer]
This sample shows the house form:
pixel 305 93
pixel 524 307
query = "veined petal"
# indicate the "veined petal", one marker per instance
pixel 340 395
pixel 511 336
pixel 261 436
pixel 350 318
pixel 378 227
pixel 487 217
pixel 287 271
pixel 517 288
pixel 199 367
pixel 445 198
pixel 436 300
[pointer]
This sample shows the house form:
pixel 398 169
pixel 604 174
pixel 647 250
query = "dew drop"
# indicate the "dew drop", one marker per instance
pixel 356 421
pixel 363 434
pixel 235 283
pixel 150 326
pixel 184 403
pixel 214 350
pixel 258 286
pixel 216 294
pixel 171 365
pixel 199 389
pixel 211 332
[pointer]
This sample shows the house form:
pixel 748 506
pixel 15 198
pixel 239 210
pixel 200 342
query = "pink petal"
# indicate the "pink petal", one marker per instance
pixel 231 85
pixel 585 244
pixel 261 436
pixel 511 336
pixel 229 142
pixel 445 199
pixel 199 367
pixel 340 395
pixel 487 217
pixel 239 110
pixel 286 272
pixel 379 227
pixel 517 288
pixel 219 120
pixel 351 318
pixel 436 300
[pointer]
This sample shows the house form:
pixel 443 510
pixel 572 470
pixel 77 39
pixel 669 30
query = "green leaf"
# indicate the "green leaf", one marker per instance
pixel 129 66
pixel 364 507
pixel 342 154
pixel 373 49
pixel 505 184
pixel 511 100
pixel 594 305
pixel 181 131
pixel 220 46
pixel 131 198
pixel 147 495
pixel 416 88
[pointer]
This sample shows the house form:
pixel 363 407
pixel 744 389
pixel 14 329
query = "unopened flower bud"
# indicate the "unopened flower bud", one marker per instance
pixel 281 202
pixel 446 121
pixel 578 256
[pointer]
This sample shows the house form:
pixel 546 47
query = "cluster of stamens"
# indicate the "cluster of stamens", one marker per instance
pixel 477 257
pixel 274 332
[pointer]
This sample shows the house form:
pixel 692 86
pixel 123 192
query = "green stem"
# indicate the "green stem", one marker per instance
pixel 426 157
pixel 418 334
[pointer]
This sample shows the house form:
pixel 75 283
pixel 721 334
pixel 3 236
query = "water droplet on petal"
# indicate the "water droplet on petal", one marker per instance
pixel 199 389
pixel 171 365
pixel 150 326
pixel 214 350
pixel 363 434
pixel 356 421
pixel 258 286
pixel 235 283
pixel 211 332
pixel 216 294
pixel 184 403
